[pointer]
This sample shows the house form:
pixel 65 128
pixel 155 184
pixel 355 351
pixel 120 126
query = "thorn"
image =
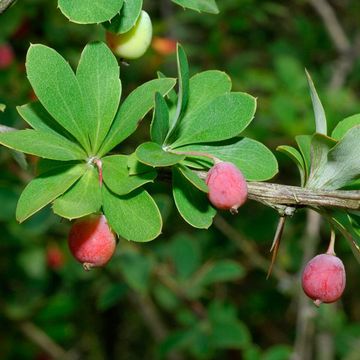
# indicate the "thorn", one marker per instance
pixel 276 243
pixel 317 302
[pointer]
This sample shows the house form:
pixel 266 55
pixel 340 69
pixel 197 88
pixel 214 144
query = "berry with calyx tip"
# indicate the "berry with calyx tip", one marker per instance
pixel 91 241
pixel 323 278
pixel 134 43
pixel 227 186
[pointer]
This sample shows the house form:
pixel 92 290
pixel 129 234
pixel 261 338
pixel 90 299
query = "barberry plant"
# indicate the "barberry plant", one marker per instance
pixel 80 119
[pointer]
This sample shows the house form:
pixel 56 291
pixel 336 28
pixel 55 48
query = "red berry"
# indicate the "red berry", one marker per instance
pixel 323 279
pixel 91 241
pixel 6 56
pixel 227 186
pixel 54 257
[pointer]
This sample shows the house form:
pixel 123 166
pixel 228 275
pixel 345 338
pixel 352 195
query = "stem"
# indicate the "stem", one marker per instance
pixel 281 196
pixel 197 153
pixel 330 250
pixel 98 163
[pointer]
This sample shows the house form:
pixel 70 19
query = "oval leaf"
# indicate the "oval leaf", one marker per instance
pixel 57 88
pixel 45 188
pixel 90 11
pixel 82 199
pixel 223 118
pixel 345 125
pixel 45 145
pixel 208 6
pixel 133 109
pixel 206 86
pixel 341 164
pixel 124 21
pixel 255 160
pixel 134 216
pixel 117 178
pixel 39 119
pixel 152 154
pixel 192 204
pixel 98 76
pixel 191 176
pixel 160 122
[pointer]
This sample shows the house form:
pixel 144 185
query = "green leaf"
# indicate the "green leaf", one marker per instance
pixel 90 11
pixel 223 118
pixel 171 95
pixel 45 165
pixel 39 119
pixel 160 122
pixel 343 224
pixel 136 167
pixel 208 6
pixel 278 352
pixel 43 144
pixel 183 93
pixel 58 90
pixel 185 254
pixel 295 155
pixel 343 126
pixel 205 87
pixel 82 199
pixel 192 204
pixel 226 330
pixel 320 118
pixel 124 21
pixel 304 144
pixel 45 188
pixel 320 146
pixel 132 110
pixel 341 164
pixel 2 107
pixel 98 76
pixel 193 178
pixel 254 159
pixel 152 154
pixel 134 216
pixel 222 270
pixel 355 222
pixel 117 178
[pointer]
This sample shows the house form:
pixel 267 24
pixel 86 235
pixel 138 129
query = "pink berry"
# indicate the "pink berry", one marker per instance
pixel 227 186
pixel 6 56
pixel 91 241
pixel 323 279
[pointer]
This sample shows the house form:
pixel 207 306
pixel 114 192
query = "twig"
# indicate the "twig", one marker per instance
pixel 344 65
pixel 278 196
pixel 348 52
pixel 332 24
pixel 4 4
pixel 153 320
pixel 150 314
pixel 41 339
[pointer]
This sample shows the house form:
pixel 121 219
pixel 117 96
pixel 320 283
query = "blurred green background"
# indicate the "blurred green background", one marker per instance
pixel 190 294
